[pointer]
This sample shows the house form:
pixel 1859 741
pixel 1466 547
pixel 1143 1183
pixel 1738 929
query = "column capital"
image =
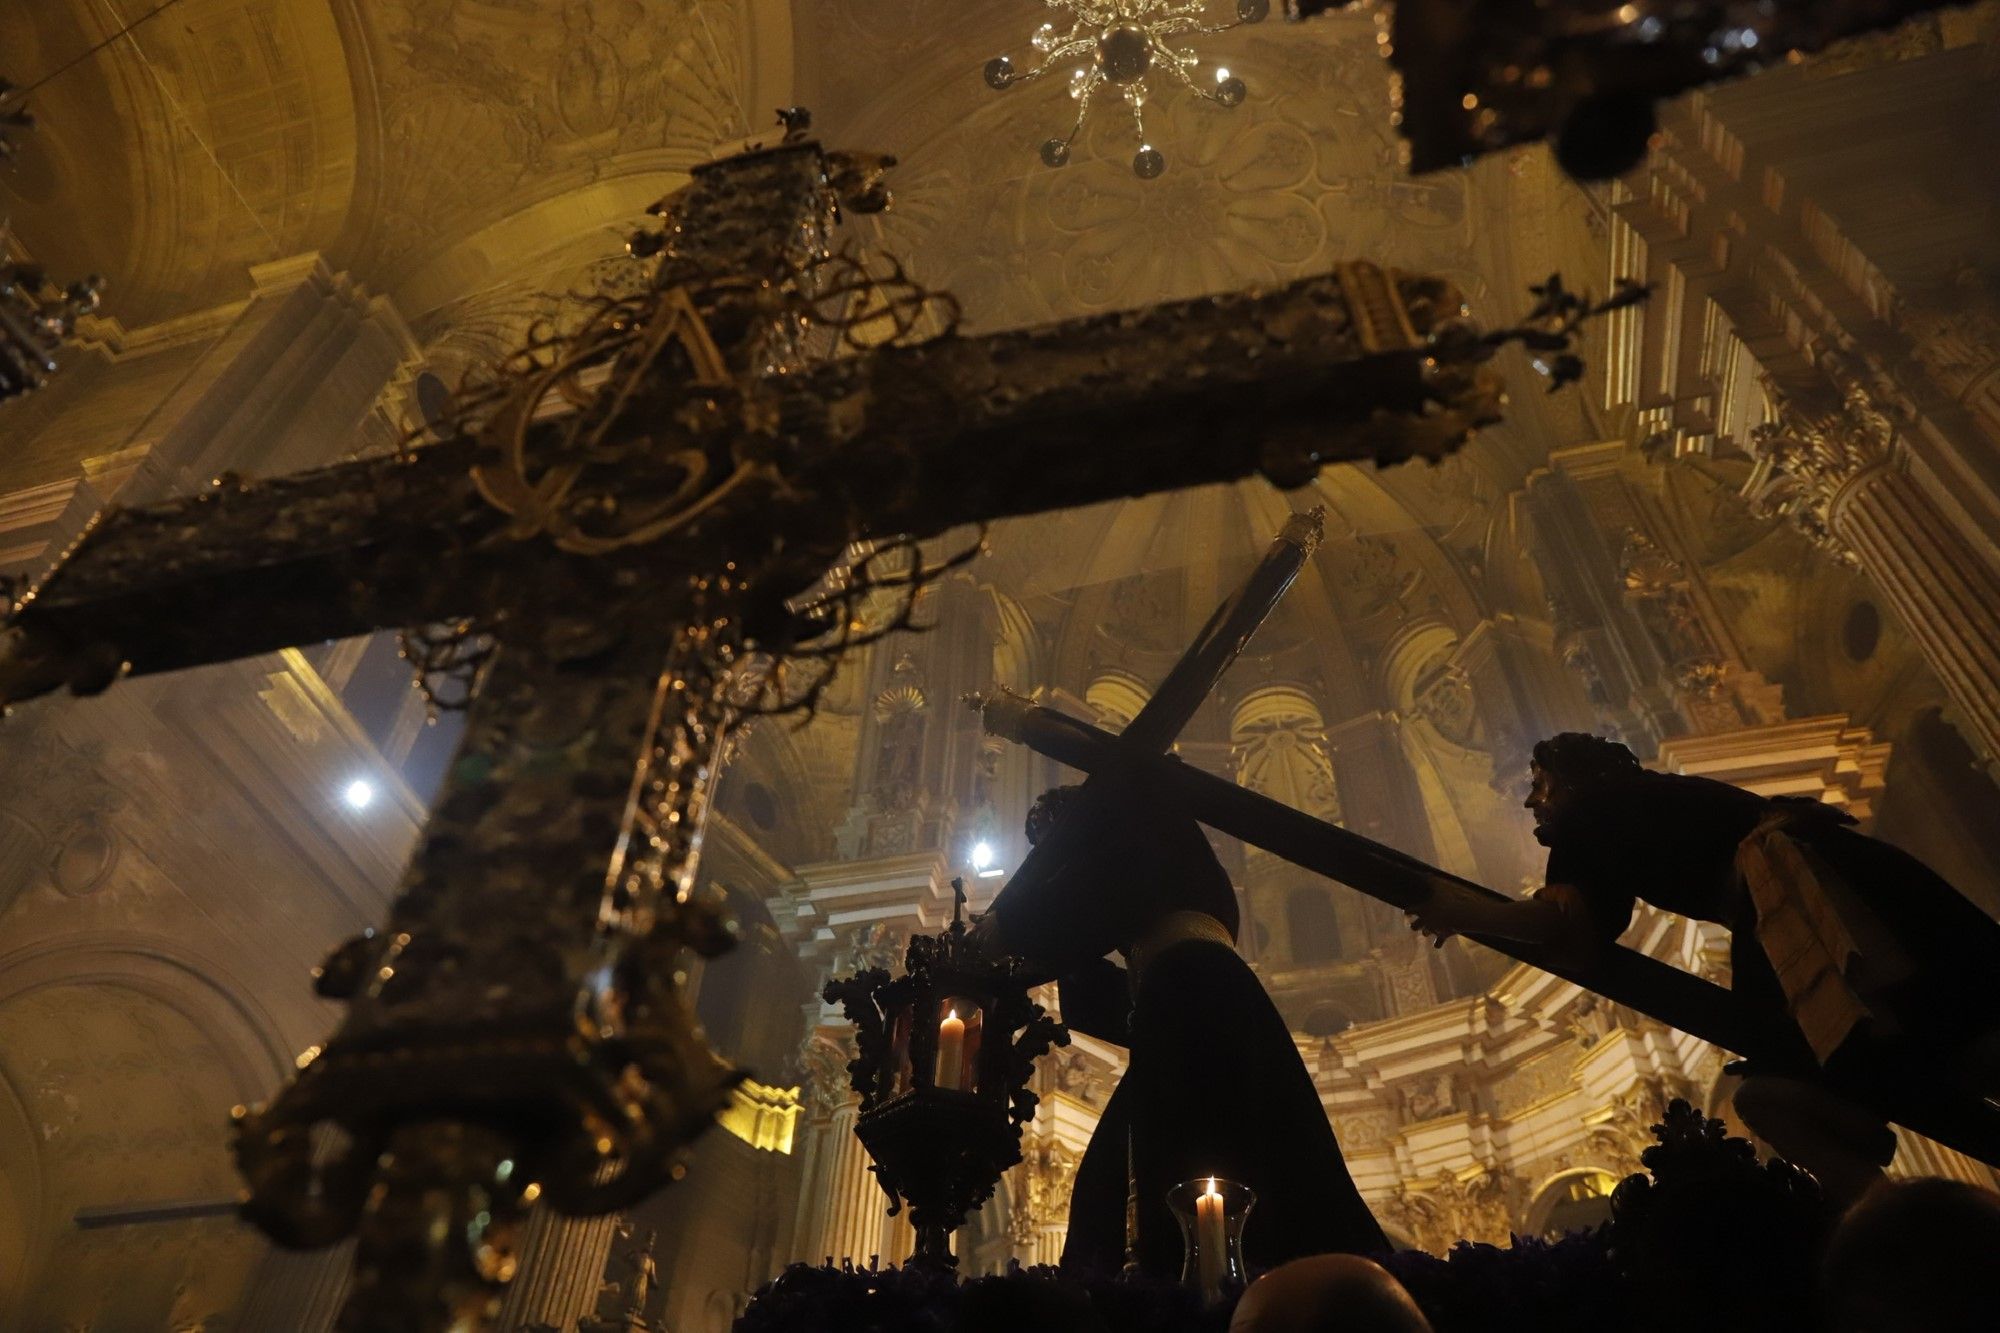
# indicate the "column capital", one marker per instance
pixel 824 1085
pixel 1810 464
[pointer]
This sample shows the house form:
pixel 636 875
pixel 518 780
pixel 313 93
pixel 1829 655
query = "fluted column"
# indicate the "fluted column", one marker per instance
pixel 1917 1157
pixel 561 1270
pixel 842 1210
pixel 1836 476
pixel 298 1289
pixel 1946 595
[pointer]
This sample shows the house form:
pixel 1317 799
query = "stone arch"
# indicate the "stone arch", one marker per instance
pixel 124 1055
pixel 1017 649
pixel 1413 658
pixel 267 172
pixel 1570 1200
pixel 768 790
pixel 1279 739
pixel 719 1311
pixel 1116 697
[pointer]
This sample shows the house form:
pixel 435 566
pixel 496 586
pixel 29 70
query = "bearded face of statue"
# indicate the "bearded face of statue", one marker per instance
pixel 1544 795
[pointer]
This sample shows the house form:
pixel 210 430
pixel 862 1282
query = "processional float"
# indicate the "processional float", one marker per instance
pixel 627 533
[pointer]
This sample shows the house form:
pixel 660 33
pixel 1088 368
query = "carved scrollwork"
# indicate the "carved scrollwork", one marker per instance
pixel 1451 1207
pixel 824 1066
pixel 1042 1187
pixel 1279 747
pixel 1807 460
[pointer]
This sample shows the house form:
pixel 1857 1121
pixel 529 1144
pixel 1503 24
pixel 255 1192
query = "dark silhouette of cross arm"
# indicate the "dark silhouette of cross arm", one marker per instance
pixel 906 440
pixel 1172 706
pixel 1679 999
pixel 515 1030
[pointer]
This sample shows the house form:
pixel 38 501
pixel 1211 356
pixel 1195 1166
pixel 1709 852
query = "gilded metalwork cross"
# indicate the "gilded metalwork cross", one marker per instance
pixel 514 1030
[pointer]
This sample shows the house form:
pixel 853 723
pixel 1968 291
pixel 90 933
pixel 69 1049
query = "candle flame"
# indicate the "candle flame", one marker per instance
pixel 1211 1185
pixel 950 1014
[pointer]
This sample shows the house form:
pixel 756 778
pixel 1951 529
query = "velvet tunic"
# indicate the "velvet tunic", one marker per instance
pixel 1215 1088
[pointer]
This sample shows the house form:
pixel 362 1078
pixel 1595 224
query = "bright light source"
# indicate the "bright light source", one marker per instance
pixel 982 854
pixel 1221 73
pixel 360 794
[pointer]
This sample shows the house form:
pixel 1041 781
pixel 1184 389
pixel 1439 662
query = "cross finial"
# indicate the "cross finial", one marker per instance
pixel 1306 530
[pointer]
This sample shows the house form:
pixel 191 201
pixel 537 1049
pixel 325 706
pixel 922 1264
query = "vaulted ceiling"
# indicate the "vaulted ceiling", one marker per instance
pixel 434 148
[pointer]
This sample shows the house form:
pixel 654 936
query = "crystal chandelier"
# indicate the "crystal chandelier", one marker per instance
pixel 1120 44
pixel 36 316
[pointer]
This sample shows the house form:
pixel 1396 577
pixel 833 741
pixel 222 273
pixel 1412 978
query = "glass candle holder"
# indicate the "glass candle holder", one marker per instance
pixel 1211 1212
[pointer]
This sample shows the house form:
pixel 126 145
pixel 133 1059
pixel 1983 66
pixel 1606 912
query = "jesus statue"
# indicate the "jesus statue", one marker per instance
pixel 1215 1085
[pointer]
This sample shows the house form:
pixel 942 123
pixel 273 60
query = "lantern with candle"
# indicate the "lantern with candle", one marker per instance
pixel 1212 1212
pixel 945 1054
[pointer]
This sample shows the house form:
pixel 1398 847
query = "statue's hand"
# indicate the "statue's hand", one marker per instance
pixel 1436 918
pixel 985 932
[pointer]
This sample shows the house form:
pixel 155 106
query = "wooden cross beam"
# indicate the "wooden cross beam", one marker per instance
pixel 1678 999
pixel 515 1031
pixel 1482 75
pixel 1173 705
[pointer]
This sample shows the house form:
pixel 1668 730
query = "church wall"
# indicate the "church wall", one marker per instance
pixel 179 854
pixel 175 866
pixel 1855 319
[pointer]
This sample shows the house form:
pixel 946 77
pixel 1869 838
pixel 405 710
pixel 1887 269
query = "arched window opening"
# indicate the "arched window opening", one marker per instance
pixel 1578 1201
pixel 1314 929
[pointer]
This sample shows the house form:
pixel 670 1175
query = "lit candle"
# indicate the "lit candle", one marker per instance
pixel 1211 1240
pixel 951 1051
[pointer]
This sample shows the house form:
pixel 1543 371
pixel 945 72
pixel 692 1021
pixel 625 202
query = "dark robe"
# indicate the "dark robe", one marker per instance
pixel 1215 1085
pixel 1861 946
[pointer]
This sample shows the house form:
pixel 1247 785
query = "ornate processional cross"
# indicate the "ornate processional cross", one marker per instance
pixel 632 514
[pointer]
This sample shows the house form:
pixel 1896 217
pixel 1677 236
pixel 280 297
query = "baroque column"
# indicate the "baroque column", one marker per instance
pixel 1838 476
pixel 562 1265
pixel 842 1211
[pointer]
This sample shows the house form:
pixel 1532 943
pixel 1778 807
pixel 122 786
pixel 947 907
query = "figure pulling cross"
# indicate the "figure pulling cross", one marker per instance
pixel 637 514
pixel 1215 1086
pixel 1879 974
pixel 1912 1081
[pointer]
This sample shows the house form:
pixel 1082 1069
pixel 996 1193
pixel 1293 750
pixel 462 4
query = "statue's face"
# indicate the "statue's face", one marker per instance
pixel 1543 794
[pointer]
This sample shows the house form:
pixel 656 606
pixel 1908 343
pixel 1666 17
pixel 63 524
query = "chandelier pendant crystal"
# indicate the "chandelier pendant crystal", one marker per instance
pixel 1114 47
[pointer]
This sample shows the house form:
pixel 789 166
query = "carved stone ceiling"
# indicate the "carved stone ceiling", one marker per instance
pixel 435 148
pixel 170 162
pixel 512 132
pixel 1304 174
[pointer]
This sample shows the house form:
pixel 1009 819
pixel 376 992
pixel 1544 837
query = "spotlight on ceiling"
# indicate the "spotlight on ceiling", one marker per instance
pixel 359 794
pixel 982 854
